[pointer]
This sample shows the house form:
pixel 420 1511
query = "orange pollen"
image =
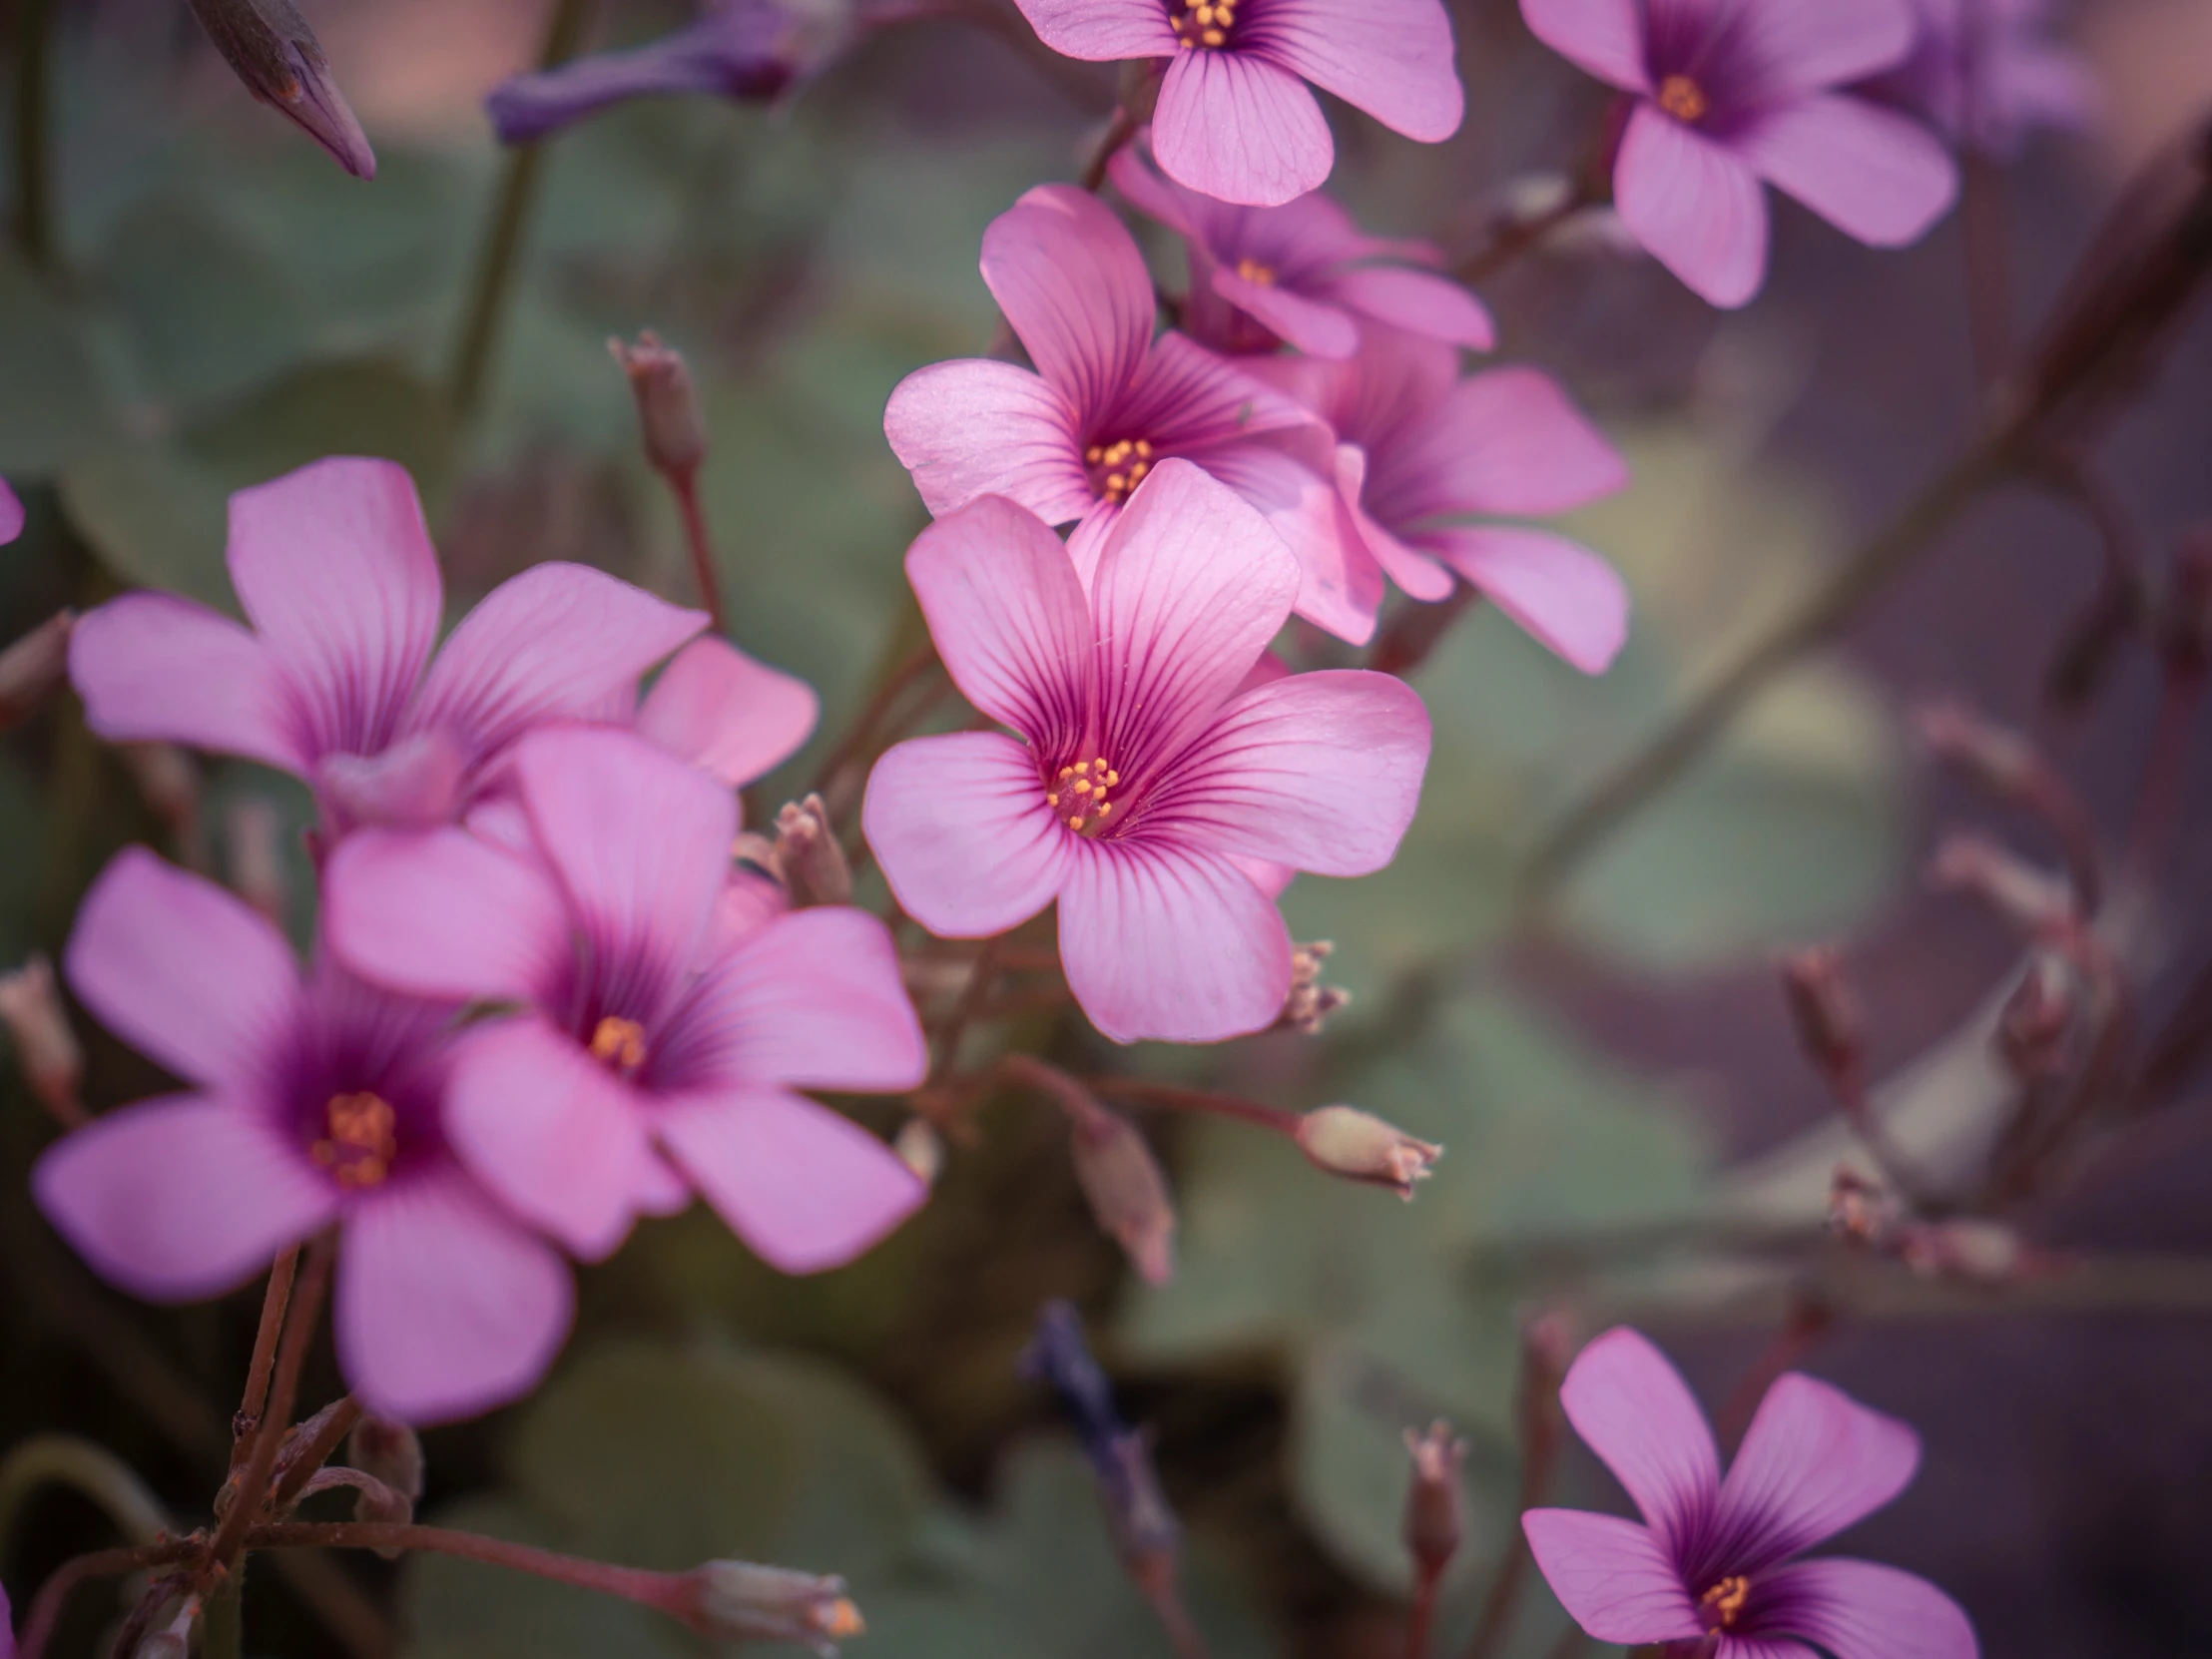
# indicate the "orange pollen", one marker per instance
pixel 1078 796
pixel 618 1043
pixel 841 1620
pixel 361 1144
pixel 1118 468
pixel 1252 270
pixel 1682 98
pixel 1205 24
pixel 1722 1605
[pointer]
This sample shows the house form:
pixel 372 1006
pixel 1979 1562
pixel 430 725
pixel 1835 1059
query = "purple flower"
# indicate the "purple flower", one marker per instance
pixel 1984 73
pixel 1076 439
pixel 11 514
pixel 1728 94
pixel 310 1104
pixel 1235 118
pixel 1301 273
pixel 1713 1567
pixel 661 1035
pixel 734 717
pixel 1421 451
pixel 335 681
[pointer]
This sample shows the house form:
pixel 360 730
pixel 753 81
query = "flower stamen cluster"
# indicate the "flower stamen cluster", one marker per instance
pixel 1205 25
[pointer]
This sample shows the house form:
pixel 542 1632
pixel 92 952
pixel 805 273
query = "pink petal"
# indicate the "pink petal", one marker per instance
pixel 960 826
pixel 558 1138
pixel 183 971
pixel 1862 1610
pixel 1310 324
pixel 1805 45
pixel 973 427
pixel 1420 575
pixel 1392 58
pixel 416 783
pixel 1507 441
pixel 1614 1577
pixel 1190 587
pixel 1167 942
pixel 179 1197
pixel 1007 614
pixel 150 666
pixel 1184 211
pixel 1604 37
pixel 1339 585
pixel 1236 127
pixel 1634 1410
pixel 11 514
pixel 640 844
pixel 1870 171
pixel 1561 592
pixel 1071 279
pixel 1416 301
pixel 441 913
pixel 445 1307
pixel 804 1187
pixel 1320 771
pixel 1758 1647
pixel 1694 207
pixel 1813 1461
pixel 1190 398
pixel 1101 29
pixel 733 718
pixel 553 643
pixel 1088 540
pixel 813 998
pixel 747 900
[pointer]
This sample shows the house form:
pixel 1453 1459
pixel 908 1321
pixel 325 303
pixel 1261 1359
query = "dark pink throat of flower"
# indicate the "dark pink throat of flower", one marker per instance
pixel 1683 98
pixel 1203 25
pixel 1081 796
pixel 1117 468
pixel 360 1140
pixel 1720 1607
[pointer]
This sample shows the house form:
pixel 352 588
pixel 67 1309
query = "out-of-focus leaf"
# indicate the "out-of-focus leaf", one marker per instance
pixel 51 405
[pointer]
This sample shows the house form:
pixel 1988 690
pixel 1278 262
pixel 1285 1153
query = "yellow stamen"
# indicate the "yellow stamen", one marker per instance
pixel 841 1620
pixel 620 1042
pixel 361 1144
pixel 1722 1604
pixel 1682 98
pixel 1252 270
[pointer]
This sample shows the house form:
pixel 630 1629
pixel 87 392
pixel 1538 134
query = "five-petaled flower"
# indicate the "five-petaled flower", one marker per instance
pixel 1713 1567
pixel 1729 94
pixel 1984 73
pixel 662 1032
pixel 311 1103
pixel 1166 776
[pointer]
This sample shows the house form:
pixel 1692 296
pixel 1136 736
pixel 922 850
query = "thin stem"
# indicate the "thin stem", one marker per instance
pixel 685 486
pixel 1415 632
pixel 34 198
pixel 1421 1619
pixel 1157 1581
pixel 982 975
pixel 917 664
pixel 1539 1444
pixel 2151 833
pixel 1123 128
pixel 304 1463
pixel 495 271
pixel 269 1433
pixel 1990 297
pixel 1524 236
pixel 275 1299
pixel 1174 1095
pixel 1809 1320
pixel 46 1606
pixel 665 1590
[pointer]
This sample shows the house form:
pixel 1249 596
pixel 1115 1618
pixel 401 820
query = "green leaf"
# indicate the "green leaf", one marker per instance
pixel 51 403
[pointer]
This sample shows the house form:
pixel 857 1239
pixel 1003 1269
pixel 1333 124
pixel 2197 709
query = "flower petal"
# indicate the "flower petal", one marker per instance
pixel 1071 281
pixel 1168 943
pixel 445 1306
pixel 735 719
pixel 1320 771
pixel 1241 129
pixel 11 514
pixel 1634 1410
pixel 1693 205
pixel 1416 301
pixel 1101 31
pixel 1870 171
pixel 1339 585
pixel 1392 58
pixel 960 827
pixel 1507 441
pixel 1614 1577
pixel 1312 325
pixel 1007 614
pixel 183 971
pixel 1420 575
pixel 1799 46
pixel 975 427
pixel 1604 37
pixel 1561 592
pixel 1864 1610
pixel 152 666
pixel 1813 1461
pixel 182 1197
pixel 416 783
pixel 442 913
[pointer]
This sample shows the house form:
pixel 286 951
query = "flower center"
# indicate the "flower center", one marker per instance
pixel 1078 796
pixel 618 1043
pixel 1722 1605
pixel 1252 270
pixel 1682 98
pixel 1203 25
pixel 1118 468
pixel 361 1144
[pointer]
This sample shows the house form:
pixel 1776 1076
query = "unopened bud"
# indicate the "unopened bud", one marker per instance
pixel 1980 1251
pixel 1824 1011
pixel 1308 1002
pixel 390 1452
pixel 1361 1147
pixel 2002 762
pixel 2186 638
pixel 45 1046
pixel 921 1148
pixel 1860 1212
pixel 2033 1028
pixel 809 857
pixel 2026 897
pixel 1432 1526
pixel 252 833
pixel 173 1640
pixel 33 666
pixel 1128 1194
pixel 669 420
pixel 738 1601
pixel 271 48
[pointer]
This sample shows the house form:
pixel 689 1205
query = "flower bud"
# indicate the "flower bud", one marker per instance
pixel 738 1601
pixel 1128 1194
pixel 2016 891
pixel 1308 1002
pixel 921 1148
pixel 1361 1147
pixel 1861 1212
pixel 33 666
pixel 2032 1027
pixel 272 49
pixel 390 1452
pixel 45 1046
pixel 252 832
pixel 1979 1252
pixel 809 857
pixel 1824 1011
pixel 1432 1528
pixel 669 420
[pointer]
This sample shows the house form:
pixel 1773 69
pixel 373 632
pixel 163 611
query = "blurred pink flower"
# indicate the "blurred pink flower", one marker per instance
pixel 1075 439
pixel 1729 94
pixel 663 1033
pixel 312 1104
pixel 11 514
pixel 1234 119
pixel 1164 771
pixel 1420 451
pixel 1712 1561
pixel 732 717
pixel 1984 73
pixel 335 681
pixel 1301 273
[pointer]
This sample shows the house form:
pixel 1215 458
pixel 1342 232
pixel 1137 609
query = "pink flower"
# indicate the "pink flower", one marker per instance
pixel 1729 94
pixel 1075 440
pixel 660 1038
pixel 1984 73
pixel 734 717
pixel 1422 449
pixel 1714 1561
pixel 11 514
pixel 1235 120
pixel 311 1104
pixel 335 681
pixel 1301 273
pixel 1166 777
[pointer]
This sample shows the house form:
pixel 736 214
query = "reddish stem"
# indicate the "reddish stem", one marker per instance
pixel 273 1302
pixel 2151 834
pixel 46 1606
pixel 1807 1321
pixel 685 487
pixel 668 1592
pixel 269 1433
pixel 1174 1095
